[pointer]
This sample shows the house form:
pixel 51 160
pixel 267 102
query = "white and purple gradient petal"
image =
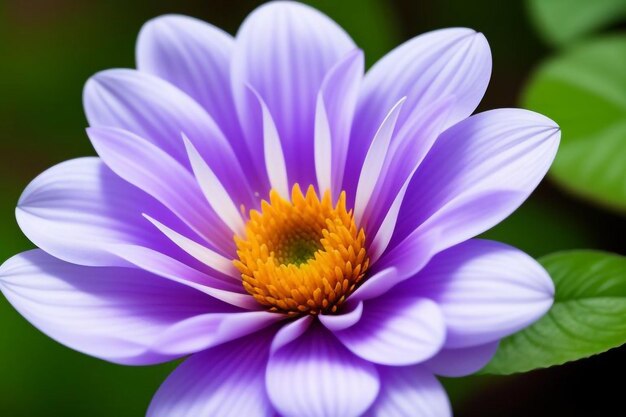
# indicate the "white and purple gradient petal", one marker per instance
pixel 430 66
pixel 477 173
pixel 123 315
pixel 78 209
pixel 228 380
pixel 399 331
pixel 138 161
pixel 409 391
pixel 316 376
pixel 283 51
pixel 461 362
pixel 486 290
pixel 159 112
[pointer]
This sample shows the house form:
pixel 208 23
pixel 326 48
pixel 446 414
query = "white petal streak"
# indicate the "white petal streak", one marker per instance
pixel 374 160
pixel 427 124
pixel 323 147
pixel 337 322
pixel 385 231
pixel 339 93
pixel 273 150
pixel 166 267
pixel 205 255
pixel 213 190
pixel 315 376
pixel 290 332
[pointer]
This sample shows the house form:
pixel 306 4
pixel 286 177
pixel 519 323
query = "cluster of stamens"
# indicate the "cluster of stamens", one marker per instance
pixel 301 256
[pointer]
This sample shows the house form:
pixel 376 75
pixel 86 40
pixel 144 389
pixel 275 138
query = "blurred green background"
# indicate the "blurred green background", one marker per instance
pixel 49 48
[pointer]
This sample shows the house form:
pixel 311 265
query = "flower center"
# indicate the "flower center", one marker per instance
pixel 303 256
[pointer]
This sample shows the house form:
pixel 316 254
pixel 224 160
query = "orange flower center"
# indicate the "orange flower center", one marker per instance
pixel 301 256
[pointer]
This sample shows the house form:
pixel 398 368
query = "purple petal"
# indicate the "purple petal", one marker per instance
pixel 375 285
pixel 349 317
pixel 410 391
pixel 284 50
pixel 208 330
pixel 290 332
pixel 202 253
pixel 396 331
pixel 78 209
pixel 424 69
pixel 122 315
pixel 214 192
pixel 477 173
pixel 221 288
pixel 461 362
pixel 273 155
pixel 374 161
pixel 159 112
pixel 227 381
pixel 399 265
pixel 195 57
pixel 409 147
pixel 486 290
pixel 315 376
pixel 152 170
pixel 336 103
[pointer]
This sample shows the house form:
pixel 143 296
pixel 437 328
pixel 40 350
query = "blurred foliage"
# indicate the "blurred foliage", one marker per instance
pixel 564 21
pixel 587 317
pixel 584 91
pixel 371 23
pixel 540 227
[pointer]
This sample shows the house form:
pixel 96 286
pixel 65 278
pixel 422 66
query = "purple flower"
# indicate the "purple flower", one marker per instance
pixel 302 231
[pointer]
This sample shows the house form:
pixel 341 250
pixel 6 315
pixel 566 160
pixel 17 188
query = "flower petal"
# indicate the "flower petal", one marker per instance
pixel 290 332
pixel 208 330
pixel 401 264
pixel 396 331
pixel 273 155
pixel 323 145
pixel 477 173
pixel 195 57
pixel 336 322
pixel 225 289
pixel 315 376
pixel 486 290
pixel 117 314
pixel 159 112
pixel 430 66
pixel 76 210
pixel 461 362
pixel 410 391
pixel 152 170
pixel 200 252
pixel 409 147
pixel 374 161
pixel 336 103
pixel 227 381
pixel 283 50
pixel 214 192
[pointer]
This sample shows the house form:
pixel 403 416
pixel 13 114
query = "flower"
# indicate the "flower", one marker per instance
pixel 302 231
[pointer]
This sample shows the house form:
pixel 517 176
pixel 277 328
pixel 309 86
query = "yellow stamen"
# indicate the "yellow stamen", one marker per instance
pixel 303 256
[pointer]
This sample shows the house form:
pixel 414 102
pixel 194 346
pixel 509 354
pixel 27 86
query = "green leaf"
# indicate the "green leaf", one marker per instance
pixel 584 91
pixel 562 21
pixel 588 316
